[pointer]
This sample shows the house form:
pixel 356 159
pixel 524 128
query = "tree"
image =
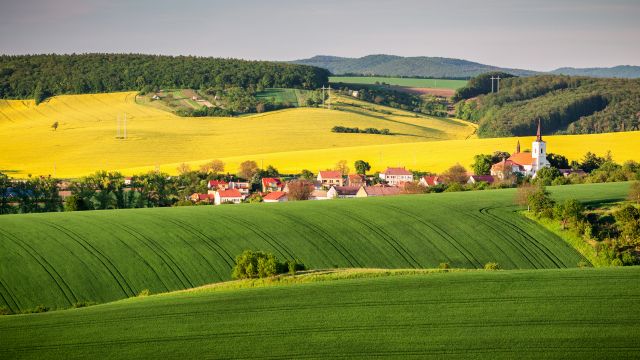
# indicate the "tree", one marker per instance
pixel 254 264
pixel 541 203
pixel 214 166
pixel 54 126
pixel 546 175
pixel 482 164
pixel 306 175
pixel 558 161
pixel 248 169
pixel 634 192
pixel 499 156
pixel 569 211
pixel 524 193
pixel 183 168
pixel 342 167
pixel 300 190
pixel 39 94
pixel 455 174
pixel 591 162
pixel 361 167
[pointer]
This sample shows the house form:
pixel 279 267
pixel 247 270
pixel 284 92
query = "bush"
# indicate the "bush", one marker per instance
pixel 5 310
pixel 617 262
pixel 144 293
pixel 294 265
pixel 258 264
pixel 37 309
pixel 583 264
pixel 444 265
pixel 492 266
pixel 81 304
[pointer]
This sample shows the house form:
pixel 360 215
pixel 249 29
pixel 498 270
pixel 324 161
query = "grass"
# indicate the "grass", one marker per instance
pixel 551 314
pixel 87 131
pixel 408 82
pixel 281 96
pixel 101 256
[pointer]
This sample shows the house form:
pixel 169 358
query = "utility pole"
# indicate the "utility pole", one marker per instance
pixel 118 127
pixel 492 78
pixel 322 96
pixel 498 78
pixel 125 126
pixel 329 97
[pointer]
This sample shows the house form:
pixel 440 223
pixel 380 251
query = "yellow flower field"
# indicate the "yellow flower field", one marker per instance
pixel 85 140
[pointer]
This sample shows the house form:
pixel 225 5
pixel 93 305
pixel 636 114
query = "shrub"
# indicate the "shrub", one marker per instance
pixel 5 310
pixel 81 304
pixel 617 262
pixel 293 266
pixel 583 264
pixel 144 293
pixel 258 264
pixel 37 309
pixel 492 266
pixel 444 265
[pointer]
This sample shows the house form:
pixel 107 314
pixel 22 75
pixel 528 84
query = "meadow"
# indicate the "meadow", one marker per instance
pixel 85 140
pixel 550 314
pixel 101 256
pixel 294 97
pixel 407 82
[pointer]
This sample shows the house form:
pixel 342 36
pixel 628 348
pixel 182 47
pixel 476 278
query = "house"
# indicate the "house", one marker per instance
pixel 474 179
pixel 393 176
pixel 356 180
pixel 342 192
pixel 128 181
pixel 429 181
pixel 272 184
pixel 243 186
pixel 205 198
pixel 318 195
pixel 567 172
pixel 366 191
pixel 524 163
pixel 329 178
pixel 228 196
pixel 275 196
pixel 217 185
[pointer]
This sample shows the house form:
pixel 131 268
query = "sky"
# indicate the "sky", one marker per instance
pixel 537 35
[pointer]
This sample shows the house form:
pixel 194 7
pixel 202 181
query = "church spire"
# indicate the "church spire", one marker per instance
pixel 539 134
pixel 518 147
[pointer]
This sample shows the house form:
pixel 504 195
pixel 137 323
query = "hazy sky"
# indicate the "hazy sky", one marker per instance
pixel 538 35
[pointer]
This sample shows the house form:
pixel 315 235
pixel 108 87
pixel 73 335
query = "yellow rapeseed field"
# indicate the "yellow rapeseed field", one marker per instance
pixel 85 140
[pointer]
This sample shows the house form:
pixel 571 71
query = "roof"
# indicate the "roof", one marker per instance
pixel 357 177
pixel 203 196
pixel 347 190
pixel 381 190
pixel 213 183
pixel 330 174
pixel 231 193
pixel 319 193
pixel 431 180
pixel 397 171
pixel 523 158
pixel 486 178
pixel 269 181
pixel 275 195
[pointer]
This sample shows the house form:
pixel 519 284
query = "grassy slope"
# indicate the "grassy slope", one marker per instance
pixel 87 130
pixel 280 95
pixel 102 256
pixel 551 314
pixel 408 82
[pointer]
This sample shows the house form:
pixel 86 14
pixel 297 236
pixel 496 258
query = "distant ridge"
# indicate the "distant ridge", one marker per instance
pixel 440 67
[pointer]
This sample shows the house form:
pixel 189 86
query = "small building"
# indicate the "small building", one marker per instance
pixel 330 178
pixel 243 186
pixel 342 192
pixel 396 175
pixel 228 196
pixel 217 185
pixel 474 179
pixel 319 195
pixel 128 181
pixel 202 198
pixel 356 180
pixel 275 196
pixel 366 191
pixel 429 181
pixel 272 184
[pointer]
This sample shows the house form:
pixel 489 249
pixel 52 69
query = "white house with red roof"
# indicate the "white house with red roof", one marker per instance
pixel 525 163
pixel 275 196
pixel 228 196
pixel 429 181
pixel 330 178
pixel 397 175
pixel 474 179
pixel 272 184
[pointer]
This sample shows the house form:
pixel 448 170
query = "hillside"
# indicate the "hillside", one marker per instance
pixel 621 71
pixel 102 256
pixel 550 314
pixel 565 105
pixel 420 66
pixel 85 139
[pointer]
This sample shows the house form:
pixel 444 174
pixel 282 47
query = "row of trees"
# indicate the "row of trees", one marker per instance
pixel 355 130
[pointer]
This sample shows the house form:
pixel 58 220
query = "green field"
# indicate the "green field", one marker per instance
pixel 408 82
pixel 539 314
pixel 294 97
pixel 102 256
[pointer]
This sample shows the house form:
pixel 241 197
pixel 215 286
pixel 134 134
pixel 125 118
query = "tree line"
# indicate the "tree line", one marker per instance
pixel 40 76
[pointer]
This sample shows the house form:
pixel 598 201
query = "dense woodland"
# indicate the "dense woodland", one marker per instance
pixel 40 76
pixel 564 105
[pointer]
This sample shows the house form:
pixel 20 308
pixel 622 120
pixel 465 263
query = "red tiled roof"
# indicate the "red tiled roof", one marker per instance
pixel 397 171
pixel 270 181
pixel 203 196
pixel 431 180
pixel 231 193
pixel 275 195
pixel 523 158
pixel 216 183
pixel 331 174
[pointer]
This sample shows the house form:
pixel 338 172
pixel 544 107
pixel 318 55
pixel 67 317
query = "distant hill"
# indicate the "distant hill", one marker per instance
pixel 391 65
pixel 621 71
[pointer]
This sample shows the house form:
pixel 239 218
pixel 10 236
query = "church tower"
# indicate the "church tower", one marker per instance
pixel 539 152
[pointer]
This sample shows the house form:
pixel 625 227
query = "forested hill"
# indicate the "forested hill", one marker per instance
pixel 390 65
pixel 26 76
pixel 564 104
pixel 622 71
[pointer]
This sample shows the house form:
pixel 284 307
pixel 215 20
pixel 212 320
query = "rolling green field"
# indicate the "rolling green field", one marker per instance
pixel 408 82
pixel 520 314
pixel 281 96
pixel 58 259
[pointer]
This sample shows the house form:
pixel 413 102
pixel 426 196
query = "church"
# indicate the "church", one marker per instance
pixel 525 163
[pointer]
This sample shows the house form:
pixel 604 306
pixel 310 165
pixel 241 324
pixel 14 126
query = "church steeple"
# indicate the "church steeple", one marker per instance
pixel 518 147
pixel 539 134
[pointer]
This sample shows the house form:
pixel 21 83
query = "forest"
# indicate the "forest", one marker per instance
pixel 564 105
pixel 41 76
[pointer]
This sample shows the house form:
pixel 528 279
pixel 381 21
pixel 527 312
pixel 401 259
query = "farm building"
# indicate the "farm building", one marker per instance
pixel 275 196
pixel 272 184
pixel 525 163
pixel 474 179
pixel 394 176
pixel 330 178
pixel 228 196
pixel 342 192
pixel 429 181
pixel 366 191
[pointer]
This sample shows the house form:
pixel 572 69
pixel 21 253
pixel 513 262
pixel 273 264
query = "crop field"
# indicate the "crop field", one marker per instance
pixel 406 82
pixel 101 256
pixel 85 140
pixel 281 96
pixel 550 314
